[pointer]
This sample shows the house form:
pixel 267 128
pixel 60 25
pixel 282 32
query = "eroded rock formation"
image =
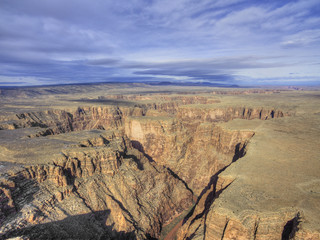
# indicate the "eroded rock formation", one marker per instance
pixel 114 184
pixel 147 164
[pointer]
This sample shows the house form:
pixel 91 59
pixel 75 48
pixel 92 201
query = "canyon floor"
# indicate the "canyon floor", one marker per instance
pixel 136 161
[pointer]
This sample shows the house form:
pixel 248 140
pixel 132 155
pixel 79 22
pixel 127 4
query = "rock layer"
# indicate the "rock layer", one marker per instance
pixel 126 171
pixel 138 196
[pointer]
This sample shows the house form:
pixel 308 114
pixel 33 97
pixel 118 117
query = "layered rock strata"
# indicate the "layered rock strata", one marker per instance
pixel 129 184
pixel 113 189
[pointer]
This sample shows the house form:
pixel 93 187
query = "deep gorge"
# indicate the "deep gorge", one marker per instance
pixel 172 150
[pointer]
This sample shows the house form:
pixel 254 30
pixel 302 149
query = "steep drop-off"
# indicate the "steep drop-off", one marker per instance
pixel 111 189
pixel 127 184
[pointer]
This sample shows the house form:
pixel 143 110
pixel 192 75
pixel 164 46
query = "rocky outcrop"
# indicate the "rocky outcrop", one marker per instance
pixel 194 223
pixel 203 149
pixel 208 220
pixel 256 226
pixel 188 113
pixel 7 206
pixel 113 179
pixel 85 118
pixel 131 183
pixel 277 225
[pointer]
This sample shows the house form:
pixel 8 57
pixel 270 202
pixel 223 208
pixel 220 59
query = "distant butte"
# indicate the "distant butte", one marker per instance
pixel 139 161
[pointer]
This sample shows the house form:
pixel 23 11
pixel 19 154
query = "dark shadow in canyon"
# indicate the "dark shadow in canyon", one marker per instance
pixel 210 197
pixel 177 177
pixel 136 160
pixel 137 145
pixel 212 186
pixel 290 229
pixel 239 152
pixel 84 226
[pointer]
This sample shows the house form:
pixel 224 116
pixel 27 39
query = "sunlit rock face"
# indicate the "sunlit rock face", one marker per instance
pixel 214 164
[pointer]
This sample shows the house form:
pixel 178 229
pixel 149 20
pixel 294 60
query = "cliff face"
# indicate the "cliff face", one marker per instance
pixel 115 188
pixel 208 220
pixel 183 142
pixel 227 114
pixel 191 145
pixel 193 152
pixel 84 118
pixel 128 184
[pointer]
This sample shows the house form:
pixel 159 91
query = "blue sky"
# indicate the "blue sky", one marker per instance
pixel 240 42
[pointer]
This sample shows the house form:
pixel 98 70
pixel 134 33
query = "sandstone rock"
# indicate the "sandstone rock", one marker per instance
pixel 139 196
pixel 124 171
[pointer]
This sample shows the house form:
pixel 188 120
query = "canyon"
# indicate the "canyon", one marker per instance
pixel 134 161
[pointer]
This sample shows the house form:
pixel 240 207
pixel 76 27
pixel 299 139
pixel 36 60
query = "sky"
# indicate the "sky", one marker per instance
pixel 242 42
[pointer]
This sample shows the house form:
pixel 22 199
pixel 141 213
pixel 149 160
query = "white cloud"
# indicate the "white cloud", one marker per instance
pixel 302 38
pixel 58 33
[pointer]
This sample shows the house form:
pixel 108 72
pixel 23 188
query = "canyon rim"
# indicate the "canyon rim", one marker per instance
pixel 135 161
